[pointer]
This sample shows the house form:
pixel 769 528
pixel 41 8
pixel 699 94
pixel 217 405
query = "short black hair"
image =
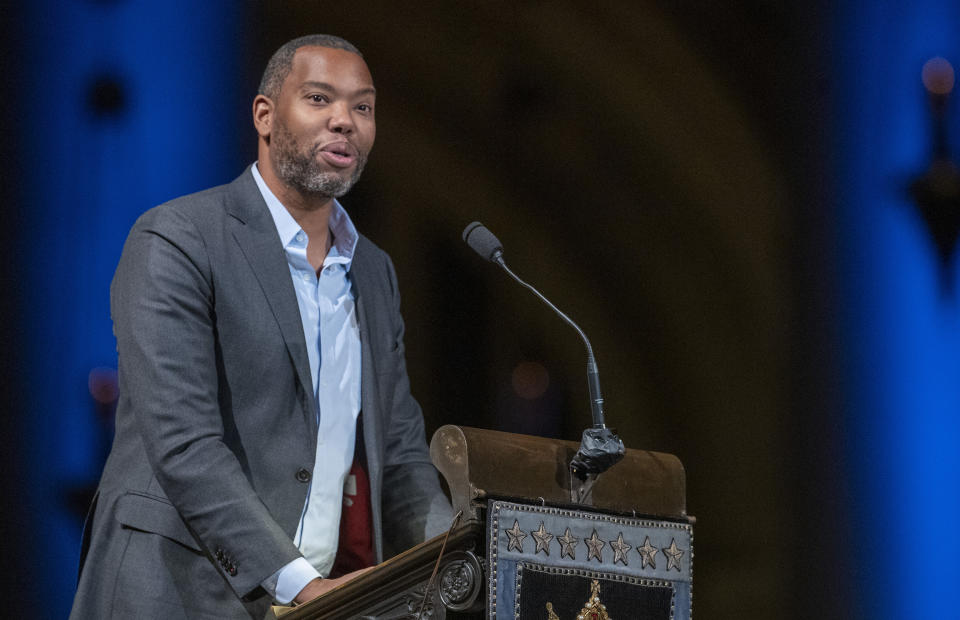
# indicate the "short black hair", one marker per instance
pixel 279 65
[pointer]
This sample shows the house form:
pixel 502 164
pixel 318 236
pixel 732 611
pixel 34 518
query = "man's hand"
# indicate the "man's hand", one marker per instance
pixel 321 586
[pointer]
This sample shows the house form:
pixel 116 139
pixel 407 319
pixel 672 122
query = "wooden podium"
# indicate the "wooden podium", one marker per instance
pixel 524 548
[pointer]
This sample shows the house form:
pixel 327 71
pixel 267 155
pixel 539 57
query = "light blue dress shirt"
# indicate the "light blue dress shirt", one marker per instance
pixel 329 318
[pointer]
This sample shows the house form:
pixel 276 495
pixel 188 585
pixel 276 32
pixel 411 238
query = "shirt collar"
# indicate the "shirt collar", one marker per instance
pixel 344 233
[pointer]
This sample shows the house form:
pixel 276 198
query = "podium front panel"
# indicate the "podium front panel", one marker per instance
pixel 559 563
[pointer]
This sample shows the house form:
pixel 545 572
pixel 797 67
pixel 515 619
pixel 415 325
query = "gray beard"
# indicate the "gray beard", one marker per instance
pixel 302 171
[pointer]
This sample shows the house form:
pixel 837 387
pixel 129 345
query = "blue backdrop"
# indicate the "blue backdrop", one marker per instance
pixel 128 104
pixel 900 325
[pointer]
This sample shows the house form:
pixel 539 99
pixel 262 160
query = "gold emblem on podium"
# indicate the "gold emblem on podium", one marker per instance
pixel 550 614
pixel 593 610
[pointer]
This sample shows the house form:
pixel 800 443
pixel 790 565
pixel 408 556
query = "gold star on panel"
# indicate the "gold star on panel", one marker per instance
pixel 620 549
pixel 648 554
pixel 568 545
pixel 515 536
pixel 673 554
pixel 542 538
pixel 594 545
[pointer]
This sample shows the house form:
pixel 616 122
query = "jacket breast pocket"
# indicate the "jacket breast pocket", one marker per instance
pixel 149 513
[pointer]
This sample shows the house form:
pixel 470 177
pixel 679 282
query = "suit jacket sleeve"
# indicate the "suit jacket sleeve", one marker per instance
pixel 162 301
pixel 415 507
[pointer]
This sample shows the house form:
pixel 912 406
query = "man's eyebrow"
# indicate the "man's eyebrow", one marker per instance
pixel 325 86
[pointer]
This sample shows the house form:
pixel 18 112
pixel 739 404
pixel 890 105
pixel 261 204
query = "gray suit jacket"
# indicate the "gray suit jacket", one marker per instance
pixel 215 430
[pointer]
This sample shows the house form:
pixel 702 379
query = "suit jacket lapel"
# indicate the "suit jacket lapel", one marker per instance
pixel 256 234
pixel 360 281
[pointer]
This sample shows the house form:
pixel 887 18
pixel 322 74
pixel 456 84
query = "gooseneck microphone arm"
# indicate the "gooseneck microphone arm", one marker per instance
pixel 593 375
pixel 600 448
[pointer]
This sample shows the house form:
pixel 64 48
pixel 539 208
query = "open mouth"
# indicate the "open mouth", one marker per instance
pixel 339 154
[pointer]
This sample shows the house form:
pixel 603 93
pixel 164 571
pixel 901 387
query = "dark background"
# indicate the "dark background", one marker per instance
pixel 715 191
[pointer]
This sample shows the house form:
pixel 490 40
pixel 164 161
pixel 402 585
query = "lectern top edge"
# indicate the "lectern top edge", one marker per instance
pixel 480 464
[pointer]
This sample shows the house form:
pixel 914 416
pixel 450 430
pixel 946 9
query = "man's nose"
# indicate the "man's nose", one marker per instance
pixel 341 118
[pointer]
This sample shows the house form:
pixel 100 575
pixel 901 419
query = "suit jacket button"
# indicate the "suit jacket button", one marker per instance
pixel 303 475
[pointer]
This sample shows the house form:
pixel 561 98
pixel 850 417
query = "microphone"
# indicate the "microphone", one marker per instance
pixel 600 448
pixel 483 242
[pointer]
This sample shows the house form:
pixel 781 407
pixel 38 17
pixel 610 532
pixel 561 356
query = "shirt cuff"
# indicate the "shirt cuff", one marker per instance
pixel 285 584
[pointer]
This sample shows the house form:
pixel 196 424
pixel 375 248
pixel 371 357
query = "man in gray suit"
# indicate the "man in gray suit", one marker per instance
pixel 253 325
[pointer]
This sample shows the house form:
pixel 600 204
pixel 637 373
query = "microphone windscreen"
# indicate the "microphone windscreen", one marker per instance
pixel 482 241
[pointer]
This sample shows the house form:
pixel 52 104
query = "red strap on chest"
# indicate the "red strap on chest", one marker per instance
pixel 355 548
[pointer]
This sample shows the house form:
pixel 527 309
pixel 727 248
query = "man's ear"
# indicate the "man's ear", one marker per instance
pixel 263 115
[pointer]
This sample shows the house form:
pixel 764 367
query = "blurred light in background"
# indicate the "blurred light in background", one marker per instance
pixel 937 76
pixel 530 380
pixel 102 383
pixel 900 327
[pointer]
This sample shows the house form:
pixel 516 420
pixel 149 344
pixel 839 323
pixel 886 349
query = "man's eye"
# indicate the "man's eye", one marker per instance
pixel 318 98
pixel 363 107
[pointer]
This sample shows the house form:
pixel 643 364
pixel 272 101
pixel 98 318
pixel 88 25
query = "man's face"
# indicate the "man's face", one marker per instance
pixel 323 126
